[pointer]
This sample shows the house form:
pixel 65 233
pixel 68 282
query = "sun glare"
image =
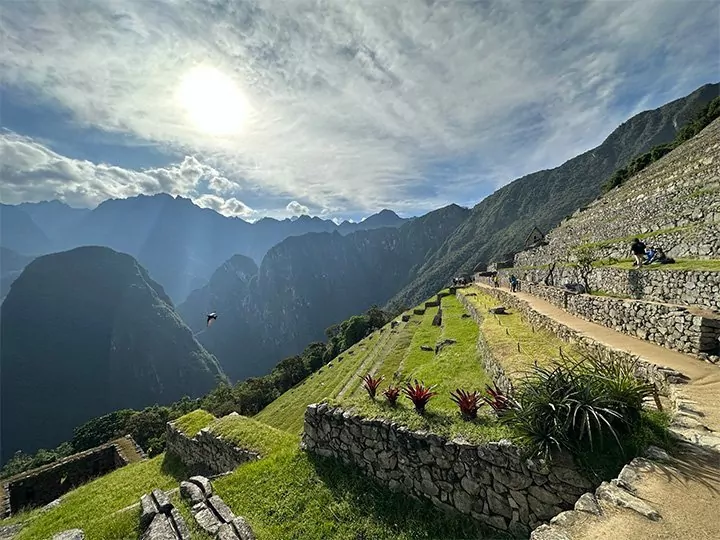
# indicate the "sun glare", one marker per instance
pixel 213 101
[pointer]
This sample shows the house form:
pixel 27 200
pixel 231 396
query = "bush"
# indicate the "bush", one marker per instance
pixel 578 405
pixel 498 401
pixel 371 384
pixel 391 394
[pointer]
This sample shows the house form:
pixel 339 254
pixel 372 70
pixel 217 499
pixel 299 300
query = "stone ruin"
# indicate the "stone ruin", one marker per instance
pixel 211 513
pixel 160 520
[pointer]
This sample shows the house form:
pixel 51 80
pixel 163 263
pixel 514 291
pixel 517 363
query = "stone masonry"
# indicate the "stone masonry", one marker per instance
pixel 206 453
pixel 491 482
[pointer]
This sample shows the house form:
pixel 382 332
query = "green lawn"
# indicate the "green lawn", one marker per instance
pixel 190 424
pixel 456 366
pixel 95 507
pixel 699 265
pixel 503 334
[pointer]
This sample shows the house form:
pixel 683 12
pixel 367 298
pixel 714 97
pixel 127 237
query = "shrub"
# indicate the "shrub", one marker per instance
pixel 498 401
pixel 469 402
pixel 419 394
pixel 371 384
pixel 578 405
pixel 391 394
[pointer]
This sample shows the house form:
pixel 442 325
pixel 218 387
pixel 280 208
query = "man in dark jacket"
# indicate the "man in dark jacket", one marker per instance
pixel 637 248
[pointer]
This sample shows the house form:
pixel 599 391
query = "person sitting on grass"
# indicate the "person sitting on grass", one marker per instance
pixel 637 248
pixel 650 254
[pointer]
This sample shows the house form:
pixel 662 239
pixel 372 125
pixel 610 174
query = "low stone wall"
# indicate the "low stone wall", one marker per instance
pixel 206 453
pixel 43 485
pixel 490 364
pixel 662 378
pixel 491 482
pixel 684 287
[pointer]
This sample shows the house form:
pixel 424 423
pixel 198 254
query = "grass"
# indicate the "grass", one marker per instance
pixel 503 333
pixel 95 507
pixel 698 265
pixel 287 412
pixel 191 423
pixel 251 434
pixel 456 366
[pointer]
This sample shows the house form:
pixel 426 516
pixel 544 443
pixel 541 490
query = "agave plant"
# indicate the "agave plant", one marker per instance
pixel 498 400
pixel 419 394
pixel 469 402
pixel 371 384
pixel 391 394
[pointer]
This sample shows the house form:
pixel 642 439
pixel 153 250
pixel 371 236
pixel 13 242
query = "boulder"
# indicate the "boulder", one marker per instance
pixel 203 483
pixel 72 534
pixel 191 492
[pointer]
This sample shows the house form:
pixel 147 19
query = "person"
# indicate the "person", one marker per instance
pixel 650 254
pixel 513 283
pixel 637 248
pixel 496 283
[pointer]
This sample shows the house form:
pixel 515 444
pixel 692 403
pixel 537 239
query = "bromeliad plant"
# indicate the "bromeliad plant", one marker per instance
pixel 469 402
pixel 371 384
pixel 419 394
pixel 391 394
pixel 500 402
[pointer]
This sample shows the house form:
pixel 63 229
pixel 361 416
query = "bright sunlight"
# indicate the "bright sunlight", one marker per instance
pixel 213 101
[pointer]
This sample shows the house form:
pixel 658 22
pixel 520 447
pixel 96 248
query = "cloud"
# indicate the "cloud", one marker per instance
pixel 297 209
pixel 33 172
pixel 353 105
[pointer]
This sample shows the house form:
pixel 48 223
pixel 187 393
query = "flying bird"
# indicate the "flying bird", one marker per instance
pixel 211 317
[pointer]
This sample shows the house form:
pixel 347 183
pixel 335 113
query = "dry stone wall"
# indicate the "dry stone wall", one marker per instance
pixel 206 453
pixel 491 482
pixel 684 287
pixel 675 202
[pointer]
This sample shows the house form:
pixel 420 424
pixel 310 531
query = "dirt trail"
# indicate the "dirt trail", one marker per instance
pixel 685 491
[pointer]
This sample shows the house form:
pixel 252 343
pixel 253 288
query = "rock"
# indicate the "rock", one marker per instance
pixel 162 501
pixel 588 503
pixel 426 348
pixel 543 495
pixel 148 510
pixel 221 509
pixel 463 501
pixel 52 504
pixel 8 532
pixel 206 519
pixel 72 534
pixel 547 532
pixel 513 480
pixel 470 486
pixel 619 497
pixel 204 484
pixel 191 492
pixel 159 529
pixel 180 524
pixel 243 529
pixel 567 518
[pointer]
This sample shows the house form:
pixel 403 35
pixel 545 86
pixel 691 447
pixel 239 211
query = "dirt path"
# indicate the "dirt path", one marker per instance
pixel 685 490
pixel 703 388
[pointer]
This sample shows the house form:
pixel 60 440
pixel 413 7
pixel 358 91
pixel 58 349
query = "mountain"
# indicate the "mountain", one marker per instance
pixel 12 264
pixel 20 233
pixel 500 223
pixel 178 242
pixel 86 332
pixel 53 217
pixel 306 284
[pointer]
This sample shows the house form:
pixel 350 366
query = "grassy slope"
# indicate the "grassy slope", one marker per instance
pixel 503 333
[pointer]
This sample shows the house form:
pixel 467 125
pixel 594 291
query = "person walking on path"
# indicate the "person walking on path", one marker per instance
pixel 637 248
pixel 513 283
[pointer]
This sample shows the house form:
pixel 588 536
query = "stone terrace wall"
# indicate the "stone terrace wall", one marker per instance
pixel 685 287
pixel 662 378
pixel 490 482
pixel 40 486
pixel 206 453
pixel 679 196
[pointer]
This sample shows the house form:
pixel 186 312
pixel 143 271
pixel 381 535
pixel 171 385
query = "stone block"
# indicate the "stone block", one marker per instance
pixel 162 501
pixel 203 483
pixel 72 534
pixel 191 492
pixel 205 518
pixel 160 529
pixel 148 510
pixel 180 525
pixel 221 509
pixel 619 497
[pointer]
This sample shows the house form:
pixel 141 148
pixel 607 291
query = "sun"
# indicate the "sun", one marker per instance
pixel 212 101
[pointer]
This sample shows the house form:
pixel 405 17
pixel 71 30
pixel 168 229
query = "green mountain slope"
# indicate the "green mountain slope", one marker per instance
pixel 306 284
pixel 85 332
pixel 500 223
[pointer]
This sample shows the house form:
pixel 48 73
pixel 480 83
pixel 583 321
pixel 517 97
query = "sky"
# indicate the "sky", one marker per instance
pixel 335 108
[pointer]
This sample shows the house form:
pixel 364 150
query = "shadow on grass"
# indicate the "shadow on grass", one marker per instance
pixel 399 511
pixel 172 466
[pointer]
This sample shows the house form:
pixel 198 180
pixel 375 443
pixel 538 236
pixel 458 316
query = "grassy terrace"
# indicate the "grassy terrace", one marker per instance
pixel 503 333
pixel 456 366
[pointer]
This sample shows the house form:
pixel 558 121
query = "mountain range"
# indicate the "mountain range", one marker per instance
pixel 179 243
pixel 86 332
pixel 276 285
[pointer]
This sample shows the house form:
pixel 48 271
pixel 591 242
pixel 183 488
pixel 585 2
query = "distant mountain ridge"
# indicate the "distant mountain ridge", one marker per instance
pixel 86 332
pixel 500 223
pixel 180 243
pixel 306 284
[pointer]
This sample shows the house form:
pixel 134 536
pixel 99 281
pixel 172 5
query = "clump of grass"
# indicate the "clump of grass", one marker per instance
pixel 191 423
